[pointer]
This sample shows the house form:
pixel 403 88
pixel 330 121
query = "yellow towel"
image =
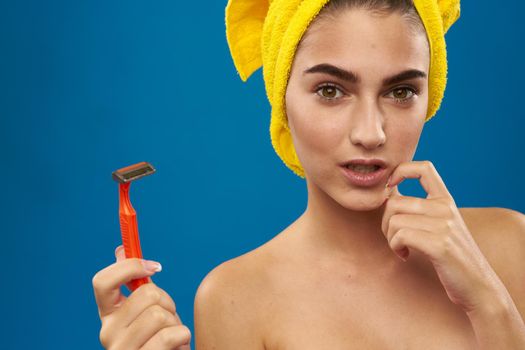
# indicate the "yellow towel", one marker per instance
pixel 266 33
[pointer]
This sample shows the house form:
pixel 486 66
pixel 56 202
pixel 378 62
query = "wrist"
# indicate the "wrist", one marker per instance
pixel 497 324
pixel 491 309
pixel 491 299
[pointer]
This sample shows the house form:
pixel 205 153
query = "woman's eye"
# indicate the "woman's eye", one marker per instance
pixel 329 92
pixel 403 94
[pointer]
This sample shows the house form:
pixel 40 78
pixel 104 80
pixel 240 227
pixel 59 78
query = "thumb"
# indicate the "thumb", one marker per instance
pixel 393 191
pixel 120 253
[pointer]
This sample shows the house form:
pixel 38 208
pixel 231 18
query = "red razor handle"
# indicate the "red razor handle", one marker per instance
pixel 129 231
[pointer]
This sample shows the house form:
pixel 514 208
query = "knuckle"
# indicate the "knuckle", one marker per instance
pixel 393 239
pixel 166 337
pixel 135 263
pixel 444 205
pixel 151 292
pixel 161 297
pixel 177 335
pixel 158 314
pixel 445 245
pixel 186 333
pixel 428 164
pixel 96 281
pixel 394 220
pixel 104 337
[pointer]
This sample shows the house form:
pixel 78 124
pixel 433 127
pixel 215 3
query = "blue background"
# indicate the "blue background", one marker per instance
pixel 88 87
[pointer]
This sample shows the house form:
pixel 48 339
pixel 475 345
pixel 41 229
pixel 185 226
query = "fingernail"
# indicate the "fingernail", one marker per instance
pixel 152 266
pixel 388 181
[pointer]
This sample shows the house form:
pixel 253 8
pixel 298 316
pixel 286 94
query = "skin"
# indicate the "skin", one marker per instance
pixel 146 320
pixel 333 279
pixel 364 121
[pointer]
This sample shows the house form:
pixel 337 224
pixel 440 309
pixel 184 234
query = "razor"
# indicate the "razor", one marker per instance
pixel 127 215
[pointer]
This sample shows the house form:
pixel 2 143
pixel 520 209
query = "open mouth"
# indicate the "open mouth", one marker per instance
pixel 364 169
pixel 364 175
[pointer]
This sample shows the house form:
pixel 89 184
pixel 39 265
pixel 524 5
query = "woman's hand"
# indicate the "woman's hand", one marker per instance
pixel 434 226
pixel 146 320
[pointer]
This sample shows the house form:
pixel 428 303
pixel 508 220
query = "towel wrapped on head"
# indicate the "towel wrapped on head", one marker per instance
pixel 266 33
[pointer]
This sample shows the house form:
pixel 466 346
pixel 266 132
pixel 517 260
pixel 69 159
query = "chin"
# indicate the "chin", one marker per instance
pixel 362 200
pixel 349 197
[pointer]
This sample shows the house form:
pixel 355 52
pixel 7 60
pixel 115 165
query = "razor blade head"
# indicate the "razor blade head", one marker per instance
pixel 133 172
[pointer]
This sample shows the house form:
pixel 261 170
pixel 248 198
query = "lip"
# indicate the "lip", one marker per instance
pixel 364 180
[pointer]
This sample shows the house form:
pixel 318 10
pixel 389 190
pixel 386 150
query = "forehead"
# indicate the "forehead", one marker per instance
pixel 359 38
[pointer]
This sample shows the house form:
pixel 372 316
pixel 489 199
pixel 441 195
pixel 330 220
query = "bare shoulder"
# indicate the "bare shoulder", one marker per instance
pixel 497 215
pixel 495 228
pixel 500 235
pixel 228 302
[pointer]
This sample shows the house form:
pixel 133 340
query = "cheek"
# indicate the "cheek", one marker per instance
pixel 315 134
pixel 404 137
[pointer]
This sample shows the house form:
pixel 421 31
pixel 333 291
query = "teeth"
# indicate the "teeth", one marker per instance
pixel 363 168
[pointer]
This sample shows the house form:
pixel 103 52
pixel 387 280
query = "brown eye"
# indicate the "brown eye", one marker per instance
pixel 400 93
pixel 328 92
pixel 403 94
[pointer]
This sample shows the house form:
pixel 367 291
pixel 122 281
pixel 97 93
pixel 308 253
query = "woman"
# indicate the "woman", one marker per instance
pixel 364 267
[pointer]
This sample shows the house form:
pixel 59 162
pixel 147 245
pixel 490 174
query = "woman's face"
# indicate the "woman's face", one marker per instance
pixel 334 119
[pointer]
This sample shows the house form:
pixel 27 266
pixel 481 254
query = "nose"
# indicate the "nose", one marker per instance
pixel 367 124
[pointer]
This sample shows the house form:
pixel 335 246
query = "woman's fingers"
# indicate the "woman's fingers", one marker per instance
pixel 142 298
pixel 174 337
pixel 147 317
pixel 426 173
pixel 121 255
pixel 107 283
pixel 147 324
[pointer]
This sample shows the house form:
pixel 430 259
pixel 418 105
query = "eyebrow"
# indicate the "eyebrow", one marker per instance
pixel 354 78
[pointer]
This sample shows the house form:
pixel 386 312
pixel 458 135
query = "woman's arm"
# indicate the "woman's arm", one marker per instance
pixel 225 311
pixel 471 275
pixel 499 323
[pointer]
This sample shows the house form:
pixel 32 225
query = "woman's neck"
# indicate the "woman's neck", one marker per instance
pixel 351 235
